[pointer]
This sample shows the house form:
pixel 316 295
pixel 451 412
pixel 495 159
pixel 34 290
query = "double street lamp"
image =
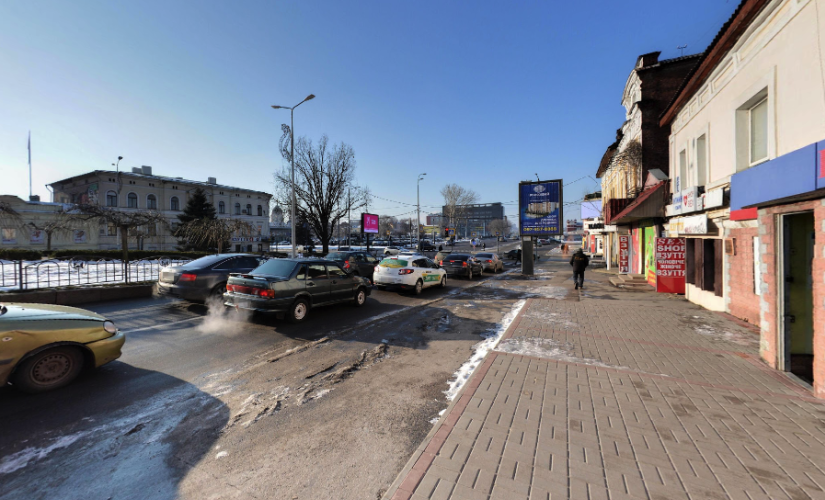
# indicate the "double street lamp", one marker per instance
pixel 292 220
pixel 418 211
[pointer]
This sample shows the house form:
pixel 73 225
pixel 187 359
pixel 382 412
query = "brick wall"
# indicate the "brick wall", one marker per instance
pixel 741 300
pixel 769 306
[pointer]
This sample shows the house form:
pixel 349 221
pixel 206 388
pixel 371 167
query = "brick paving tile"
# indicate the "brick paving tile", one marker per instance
pixel 623 395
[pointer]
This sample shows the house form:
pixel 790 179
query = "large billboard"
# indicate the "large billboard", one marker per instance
pixel 369 223
pixel 540 208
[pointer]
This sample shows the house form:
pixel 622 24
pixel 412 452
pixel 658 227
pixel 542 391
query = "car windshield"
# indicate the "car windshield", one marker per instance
pixel 337 256
pixel 280 268
pixel 393 263
pixel 204 262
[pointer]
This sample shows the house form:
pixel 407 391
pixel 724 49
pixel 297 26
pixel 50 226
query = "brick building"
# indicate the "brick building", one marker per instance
pixel 748 141
pixel 634 169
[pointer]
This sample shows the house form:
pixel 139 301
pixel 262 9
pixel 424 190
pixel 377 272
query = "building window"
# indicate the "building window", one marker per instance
pixel 682 182
pixel 249 210
pixel 758 128
pixel 174 204
pixel 151 202
pixel 221 207
pixel 237 209
pixel 260 211
pixel 702 173
pixel 151 230
pixel 131 200
pixel 112 229
pixel 111 199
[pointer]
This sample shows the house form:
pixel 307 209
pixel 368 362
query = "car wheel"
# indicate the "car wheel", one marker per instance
pixel 360 297
pixel 48 369
pixel 443 283
pixel 298 311
pixel 418 287
pixel 218 291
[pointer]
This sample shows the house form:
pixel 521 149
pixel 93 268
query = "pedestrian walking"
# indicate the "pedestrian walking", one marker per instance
pixel 440 247
pixel 484 246
pixel 518 256
pixel 579 261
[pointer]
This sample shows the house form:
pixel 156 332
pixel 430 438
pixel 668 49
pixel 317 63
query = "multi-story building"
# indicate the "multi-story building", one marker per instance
pixel 38 224
pixel 140 189
pixel 747 143
pixel 634 169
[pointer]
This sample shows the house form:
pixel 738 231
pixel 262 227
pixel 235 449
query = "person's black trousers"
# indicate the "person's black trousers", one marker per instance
pixel 578 279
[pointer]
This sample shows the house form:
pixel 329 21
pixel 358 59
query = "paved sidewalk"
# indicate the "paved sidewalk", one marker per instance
pixel 613 394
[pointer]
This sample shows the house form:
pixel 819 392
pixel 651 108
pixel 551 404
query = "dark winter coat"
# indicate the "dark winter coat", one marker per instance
pixel 579 261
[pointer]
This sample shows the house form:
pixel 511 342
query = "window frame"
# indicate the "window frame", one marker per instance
pixel 237 209
pixel 109 196
pixel 751 161
pixel 154 202
pixel 129 197
pixel 174 204
pixel 221 207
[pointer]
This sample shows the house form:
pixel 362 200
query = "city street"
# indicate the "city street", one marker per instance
pixel 205 402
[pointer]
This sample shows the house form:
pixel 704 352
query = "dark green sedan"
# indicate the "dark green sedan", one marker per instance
pixel 294 286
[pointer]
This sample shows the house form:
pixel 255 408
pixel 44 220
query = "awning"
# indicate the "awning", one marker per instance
pixel 649 204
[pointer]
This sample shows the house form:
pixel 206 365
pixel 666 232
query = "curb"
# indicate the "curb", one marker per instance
pixel 419 462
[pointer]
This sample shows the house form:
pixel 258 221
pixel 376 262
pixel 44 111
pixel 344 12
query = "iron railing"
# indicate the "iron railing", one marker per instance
pixel 80 271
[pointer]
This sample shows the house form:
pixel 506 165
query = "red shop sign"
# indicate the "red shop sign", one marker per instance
pixel 624 254
pixel 670 265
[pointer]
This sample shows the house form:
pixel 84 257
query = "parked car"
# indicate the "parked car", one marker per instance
pixel 47 346
pixel 392 250
pixel 357 263
pixel 426 246
pixel 511 254
pixel 295 286
pixel 462 264
pixel 206 277
pixel 491 262
pixel 414 273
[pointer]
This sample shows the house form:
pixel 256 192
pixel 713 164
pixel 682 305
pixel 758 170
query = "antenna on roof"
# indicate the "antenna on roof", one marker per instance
pixel 681 49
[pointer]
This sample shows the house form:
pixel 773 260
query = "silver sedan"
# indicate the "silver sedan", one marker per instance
pixel 490 261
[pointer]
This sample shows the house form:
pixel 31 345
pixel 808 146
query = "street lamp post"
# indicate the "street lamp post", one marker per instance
pixel 292 162
pixel 418 210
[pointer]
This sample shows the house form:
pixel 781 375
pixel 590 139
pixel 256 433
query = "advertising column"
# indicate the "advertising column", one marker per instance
pixel 670 265
pixel 540 215
pixel 624 254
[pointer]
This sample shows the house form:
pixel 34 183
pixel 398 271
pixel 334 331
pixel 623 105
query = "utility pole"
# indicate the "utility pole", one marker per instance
pixel 418 210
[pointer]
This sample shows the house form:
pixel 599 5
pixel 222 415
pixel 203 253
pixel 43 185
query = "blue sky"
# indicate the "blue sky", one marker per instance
pixel 482 93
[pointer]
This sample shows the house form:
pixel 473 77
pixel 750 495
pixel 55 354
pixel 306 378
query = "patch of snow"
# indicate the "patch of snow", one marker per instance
pixel 434 420
pixel 480 350
pixel 545 348
pixel 22 458
pixel 221 454
pixel 726 336
pixel 385 341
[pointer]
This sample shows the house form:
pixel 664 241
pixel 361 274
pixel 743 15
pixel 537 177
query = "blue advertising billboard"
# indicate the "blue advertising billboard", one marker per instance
pixel 540 208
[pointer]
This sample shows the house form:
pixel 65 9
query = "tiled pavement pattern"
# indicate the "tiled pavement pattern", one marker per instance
pixel 675 414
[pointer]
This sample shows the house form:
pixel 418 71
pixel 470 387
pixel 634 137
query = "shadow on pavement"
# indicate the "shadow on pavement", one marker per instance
pixel 117 432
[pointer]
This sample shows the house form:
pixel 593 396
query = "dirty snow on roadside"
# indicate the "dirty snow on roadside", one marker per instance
pixel 480 350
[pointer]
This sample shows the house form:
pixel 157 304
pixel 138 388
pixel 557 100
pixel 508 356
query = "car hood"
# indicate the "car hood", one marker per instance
pixel 20 311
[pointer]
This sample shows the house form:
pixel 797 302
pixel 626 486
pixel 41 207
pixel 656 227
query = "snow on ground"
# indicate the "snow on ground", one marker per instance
pixel 51 273
pixel 480 350
pixel 545 348
pixel 726 335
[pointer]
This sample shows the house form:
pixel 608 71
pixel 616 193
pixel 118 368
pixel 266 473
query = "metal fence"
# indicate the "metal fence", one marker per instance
pixel 79 271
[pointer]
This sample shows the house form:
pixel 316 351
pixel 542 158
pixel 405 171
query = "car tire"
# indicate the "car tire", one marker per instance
pixel 218 291
pixel 298 312
pixel 360 297
pixel 419 286
pixel 48 369
pixel 443 283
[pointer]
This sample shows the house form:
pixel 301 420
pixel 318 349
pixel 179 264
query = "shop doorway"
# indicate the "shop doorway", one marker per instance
pixel 797 295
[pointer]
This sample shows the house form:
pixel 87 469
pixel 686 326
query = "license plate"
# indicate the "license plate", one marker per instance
pixel 242 304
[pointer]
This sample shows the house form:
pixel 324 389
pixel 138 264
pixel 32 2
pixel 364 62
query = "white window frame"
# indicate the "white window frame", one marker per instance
pixel 702 177
pixel 751 161
pixel 763 88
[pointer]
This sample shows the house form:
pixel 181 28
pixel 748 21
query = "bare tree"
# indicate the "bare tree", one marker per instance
pixel 212 233
pixel 324 175
pixel 9 217
pixel 129 223
pixel 499 226
pixel 60 224
pixel 456 198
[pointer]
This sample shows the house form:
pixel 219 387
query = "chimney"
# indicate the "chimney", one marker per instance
pixel 147 170
pixel 137 170
pixel 34 197
pixel 212 180
pixel 648 59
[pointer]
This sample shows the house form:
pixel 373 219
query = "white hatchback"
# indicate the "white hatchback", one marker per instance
pixel 414 272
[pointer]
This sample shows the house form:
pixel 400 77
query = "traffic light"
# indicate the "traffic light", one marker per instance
pixel 446 232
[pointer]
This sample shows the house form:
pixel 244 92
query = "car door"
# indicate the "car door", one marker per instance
pixel 371 263
pixel 435 274
pixel 422 270
pixel 318 284
pixel 340 283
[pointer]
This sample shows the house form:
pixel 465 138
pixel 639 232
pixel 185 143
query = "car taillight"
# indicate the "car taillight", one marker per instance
pixel 187 277
pixel 464 264
pixel 405 271
pixel 440 262
pixel 265 293
pixel 490 261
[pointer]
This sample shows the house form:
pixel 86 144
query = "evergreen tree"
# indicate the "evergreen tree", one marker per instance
pixel 197 209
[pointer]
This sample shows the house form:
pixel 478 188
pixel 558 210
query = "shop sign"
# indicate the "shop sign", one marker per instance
pixel 691 200
pixel 670 265
pixel 79 236
pixel 624 253
pixel 697 224
pixel 714 198
pixel 37 237
pixel 610 228
pixel 236 239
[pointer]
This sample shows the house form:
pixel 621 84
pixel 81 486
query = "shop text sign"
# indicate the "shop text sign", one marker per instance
pixel 369 223
pixel 624 253
pixel 670 265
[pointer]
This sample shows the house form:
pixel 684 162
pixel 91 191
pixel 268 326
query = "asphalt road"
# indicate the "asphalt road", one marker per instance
pixel 164 397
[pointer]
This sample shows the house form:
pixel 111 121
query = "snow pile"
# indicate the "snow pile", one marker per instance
pixel 545 348
pixel 552 318
pixel 480 350
pixel 726 336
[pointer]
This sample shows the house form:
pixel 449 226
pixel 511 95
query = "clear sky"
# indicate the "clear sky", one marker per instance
pixel 480 93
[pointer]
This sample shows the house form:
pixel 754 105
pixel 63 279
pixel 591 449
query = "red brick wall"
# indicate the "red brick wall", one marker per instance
pixel 769 306
pixel 743 302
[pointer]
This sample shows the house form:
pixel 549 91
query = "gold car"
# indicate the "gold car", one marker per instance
pixel 43 346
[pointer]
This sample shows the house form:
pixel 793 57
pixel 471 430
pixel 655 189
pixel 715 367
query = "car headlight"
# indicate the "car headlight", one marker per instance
pixel 110 327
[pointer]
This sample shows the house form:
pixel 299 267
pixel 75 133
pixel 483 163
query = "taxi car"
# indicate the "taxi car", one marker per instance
pixel 44 346
pixel 409 272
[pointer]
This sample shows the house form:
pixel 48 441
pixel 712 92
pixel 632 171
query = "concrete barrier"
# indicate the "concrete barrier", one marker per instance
pixel 85 295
